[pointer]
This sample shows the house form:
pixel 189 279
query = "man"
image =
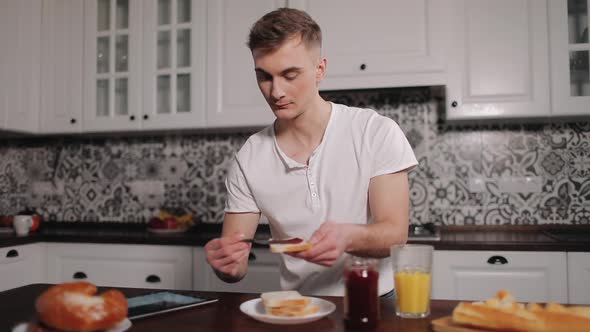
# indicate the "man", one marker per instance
pixel 325 172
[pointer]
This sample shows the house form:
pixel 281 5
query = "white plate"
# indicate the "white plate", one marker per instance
pixel 255 309
pixel 167 231
pixel 123 326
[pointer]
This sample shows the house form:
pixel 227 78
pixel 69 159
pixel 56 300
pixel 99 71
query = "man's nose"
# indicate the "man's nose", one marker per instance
pixel 276 90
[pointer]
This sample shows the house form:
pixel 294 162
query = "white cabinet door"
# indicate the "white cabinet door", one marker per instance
pixel 174 51
pixel 233 98
pixel 22 265
pixel 478 275
pixel 201 270
pixel 5 59
pixel 117 265
pixel 381 43
pixel 112 64
pixel 20 22
pixel 263 274
pixel 578 271
pixel 570 50
pixel 498 63
pixel 62 46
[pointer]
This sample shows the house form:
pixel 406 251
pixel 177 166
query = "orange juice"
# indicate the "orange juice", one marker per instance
pixel 412 291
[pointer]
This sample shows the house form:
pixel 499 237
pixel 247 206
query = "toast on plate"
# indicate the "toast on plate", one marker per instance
pixel 288 304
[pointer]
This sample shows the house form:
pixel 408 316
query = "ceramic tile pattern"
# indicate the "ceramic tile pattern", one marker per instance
pixel 128 179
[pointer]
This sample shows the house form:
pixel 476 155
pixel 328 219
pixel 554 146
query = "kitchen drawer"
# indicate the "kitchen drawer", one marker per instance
pixel 263 274
pixel 578 267
pixel 141 266
pixel 478 275
pixel 21 265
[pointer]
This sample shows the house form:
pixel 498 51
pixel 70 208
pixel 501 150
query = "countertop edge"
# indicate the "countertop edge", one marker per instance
pixel 450 239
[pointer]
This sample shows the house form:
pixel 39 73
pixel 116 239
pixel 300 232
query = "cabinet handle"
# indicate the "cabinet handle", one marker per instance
pixel 145 116
pixel 251 257
pixel 363 66
pixel 152 278
pixel 72 121
pixel 454 103
pixel 80 275
pixel 132 117
pixel 497 260
pixel 12 253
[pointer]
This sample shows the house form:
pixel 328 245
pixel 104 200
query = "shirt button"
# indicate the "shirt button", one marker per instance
pixel 313 194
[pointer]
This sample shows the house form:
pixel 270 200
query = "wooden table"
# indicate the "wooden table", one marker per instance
pixel 16 305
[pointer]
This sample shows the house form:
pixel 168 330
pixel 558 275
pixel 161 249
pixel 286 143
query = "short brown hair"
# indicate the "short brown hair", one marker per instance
pixel 276 27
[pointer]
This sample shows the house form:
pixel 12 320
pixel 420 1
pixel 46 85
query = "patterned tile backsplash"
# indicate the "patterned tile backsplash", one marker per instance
pixel 468 175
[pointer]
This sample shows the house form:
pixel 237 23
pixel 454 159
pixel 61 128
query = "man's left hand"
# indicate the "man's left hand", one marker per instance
pixel 329 242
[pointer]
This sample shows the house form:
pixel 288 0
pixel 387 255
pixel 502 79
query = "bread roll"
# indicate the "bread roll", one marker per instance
pixel 74 307
pixel 502 313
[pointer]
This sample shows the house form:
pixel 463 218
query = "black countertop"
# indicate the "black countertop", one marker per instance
pixel 503 238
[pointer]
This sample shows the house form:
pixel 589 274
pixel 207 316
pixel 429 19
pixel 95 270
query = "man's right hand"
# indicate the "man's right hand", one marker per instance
pixel 228 256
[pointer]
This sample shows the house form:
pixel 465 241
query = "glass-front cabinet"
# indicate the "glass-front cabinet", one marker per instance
pixel 112 65
pixel 145 64
pixel 174 48
pixel 570 50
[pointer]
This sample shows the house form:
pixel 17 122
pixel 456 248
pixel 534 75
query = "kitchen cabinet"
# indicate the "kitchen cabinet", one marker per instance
pixel 20 58
pixel 263 273
pixel 381 43
pixel 5 57
pixel 120 265
pixel 145 64
pixel 478 275
pixel 578 268
pixel 112 65
pixel 570 64
pixel 174 54
pixel 61 66
pixel 498 60
pixel 233 97
pixel 22 265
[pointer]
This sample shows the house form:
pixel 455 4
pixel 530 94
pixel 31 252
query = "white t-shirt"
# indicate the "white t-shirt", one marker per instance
pixel 358 144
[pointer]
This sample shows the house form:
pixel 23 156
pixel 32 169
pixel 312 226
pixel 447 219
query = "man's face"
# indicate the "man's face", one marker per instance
pixel 289 76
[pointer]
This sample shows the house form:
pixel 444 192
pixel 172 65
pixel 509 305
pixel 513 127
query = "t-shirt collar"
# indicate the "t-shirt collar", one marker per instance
pixel 291 164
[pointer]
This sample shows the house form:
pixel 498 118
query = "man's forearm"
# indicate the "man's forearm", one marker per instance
pixel 375 240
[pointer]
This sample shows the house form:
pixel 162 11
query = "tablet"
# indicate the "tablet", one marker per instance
pixel 161 302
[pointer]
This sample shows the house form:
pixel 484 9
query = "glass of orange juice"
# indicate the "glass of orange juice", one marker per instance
pixel 412 268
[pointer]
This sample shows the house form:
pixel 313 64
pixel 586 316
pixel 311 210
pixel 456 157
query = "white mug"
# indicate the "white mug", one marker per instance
pixel 22 224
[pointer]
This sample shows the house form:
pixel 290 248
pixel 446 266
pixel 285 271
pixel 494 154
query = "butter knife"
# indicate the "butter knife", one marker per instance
pixel 270 240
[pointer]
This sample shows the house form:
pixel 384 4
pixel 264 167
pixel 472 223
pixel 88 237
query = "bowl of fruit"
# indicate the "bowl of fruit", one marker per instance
pixel 167 223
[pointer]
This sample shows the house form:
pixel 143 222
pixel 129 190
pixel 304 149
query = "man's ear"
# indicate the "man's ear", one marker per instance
pixel 321 70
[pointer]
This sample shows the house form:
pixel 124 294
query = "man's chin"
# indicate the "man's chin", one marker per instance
pixel 282 112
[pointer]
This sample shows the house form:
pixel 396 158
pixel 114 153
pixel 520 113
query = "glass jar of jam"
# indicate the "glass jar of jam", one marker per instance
pixel 361 297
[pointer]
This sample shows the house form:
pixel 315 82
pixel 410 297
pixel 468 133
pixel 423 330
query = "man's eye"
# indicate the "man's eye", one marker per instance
pixel 291 76
pixel 262 77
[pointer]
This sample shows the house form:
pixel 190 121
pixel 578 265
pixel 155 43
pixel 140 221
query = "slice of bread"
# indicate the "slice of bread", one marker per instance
pixel 293 311
pixel 290 247
pixel 288 304
pixel 284 299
